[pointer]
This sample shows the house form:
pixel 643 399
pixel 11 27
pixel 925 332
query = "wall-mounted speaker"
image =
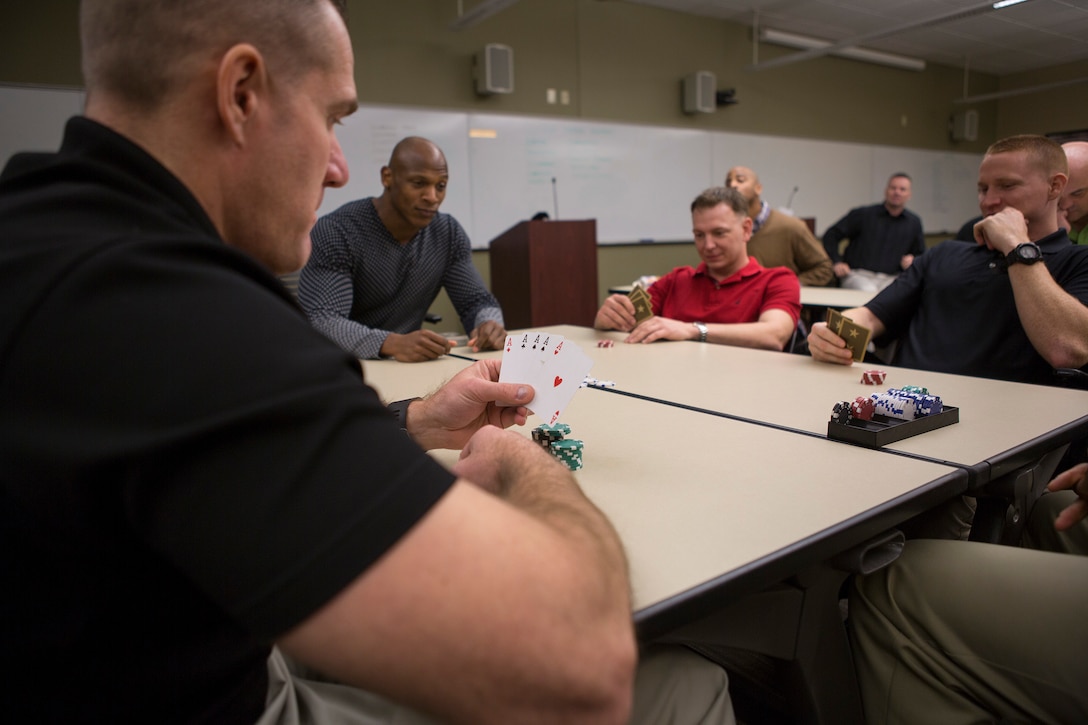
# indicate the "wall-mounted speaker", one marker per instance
pixel 700 91
pixel 495 69
pixel 964 126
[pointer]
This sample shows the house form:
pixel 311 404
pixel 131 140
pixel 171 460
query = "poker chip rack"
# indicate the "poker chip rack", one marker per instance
pixel 882 429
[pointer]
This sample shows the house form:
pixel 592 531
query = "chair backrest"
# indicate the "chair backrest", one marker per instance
pixel 798 344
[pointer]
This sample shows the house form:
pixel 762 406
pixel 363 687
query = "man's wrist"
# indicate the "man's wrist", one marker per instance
pixel 399 409
pixel 701 330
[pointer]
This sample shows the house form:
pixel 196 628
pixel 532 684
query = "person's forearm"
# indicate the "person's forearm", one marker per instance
pixel 487 314
pixel 831 240
pixel 1056 323
pixel 818 275
pixel 362 341
pixel 551 495
pixel 760 335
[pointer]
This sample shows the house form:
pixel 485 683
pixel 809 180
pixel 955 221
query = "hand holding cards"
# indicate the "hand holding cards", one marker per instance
pixel 640 298
pixel 856 336
pixel 554 367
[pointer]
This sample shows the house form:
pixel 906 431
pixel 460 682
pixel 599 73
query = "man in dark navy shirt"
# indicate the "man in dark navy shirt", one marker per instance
pixel 884 239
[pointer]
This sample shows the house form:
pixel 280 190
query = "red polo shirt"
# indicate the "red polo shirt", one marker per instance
pixel 688 294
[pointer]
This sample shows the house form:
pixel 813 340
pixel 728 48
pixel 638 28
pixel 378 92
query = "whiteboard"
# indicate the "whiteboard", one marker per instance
pixel 944 185
pixel 636 181
pixel 368 137
pixel 830 177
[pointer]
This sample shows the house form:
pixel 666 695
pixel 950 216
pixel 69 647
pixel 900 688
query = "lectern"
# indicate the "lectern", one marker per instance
pixel 545 273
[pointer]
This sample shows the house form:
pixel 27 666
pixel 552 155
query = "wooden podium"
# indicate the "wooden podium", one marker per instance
pixel 545 273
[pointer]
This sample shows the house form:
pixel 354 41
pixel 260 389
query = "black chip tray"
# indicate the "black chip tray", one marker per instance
pixel 882 430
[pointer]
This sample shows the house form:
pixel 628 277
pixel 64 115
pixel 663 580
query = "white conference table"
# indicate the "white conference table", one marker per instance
pixel 732 530
pixel 713 463
pixel 837 297
pixel 1002 425
pixel 708 508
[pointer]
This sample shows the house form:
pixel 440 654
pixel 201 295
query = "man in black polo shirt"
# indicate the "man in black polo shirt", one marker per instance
pixel 1011 305
pixel 884 239
pixel 197 485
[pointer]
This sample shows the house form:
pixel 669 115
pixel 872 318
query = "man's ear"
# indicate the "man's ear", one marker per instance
pixel 242 83
pixel 1057 185
pixel 387 177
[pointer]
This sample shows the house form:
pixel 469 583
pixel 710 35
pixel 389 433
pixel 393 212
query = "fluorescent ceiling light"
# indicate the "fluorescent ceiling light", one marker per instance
pixel 1007 3
pixel 804 42
pixel 484 10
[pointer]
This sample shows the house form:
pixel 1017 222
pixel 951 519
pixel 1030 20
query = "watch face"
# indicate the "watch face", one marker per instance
pixel 1027 253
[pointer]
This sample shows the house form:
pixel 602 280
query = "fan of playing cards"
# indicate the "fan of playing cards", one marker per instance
pixel 553 366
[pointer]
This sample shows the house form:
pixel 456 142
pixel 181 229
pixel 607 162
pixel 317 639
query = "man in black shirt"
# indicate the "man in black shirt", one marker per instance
pixel 196 482
pixel 884 239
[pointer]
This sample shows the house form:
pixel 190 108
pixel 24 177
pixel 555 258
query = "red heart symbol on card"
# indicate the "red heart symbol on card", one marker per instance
pixel 557 382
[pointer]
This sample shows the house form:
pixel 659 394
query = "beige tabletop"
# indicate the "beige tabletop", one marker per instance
pixel 998 420
pixel 836 297
pixel 704 503
pixel 396 380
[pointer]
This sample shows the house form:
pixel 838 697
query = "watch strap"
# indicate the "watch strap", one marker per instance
pixel 399 409
pixel 1017 256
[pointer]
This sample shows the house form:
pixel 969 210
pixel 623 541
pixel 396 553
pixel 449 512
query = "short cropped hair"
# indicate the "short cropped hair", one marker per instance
pixel 1045 154
pixel 900 175
pixel 142 51
pixel 716 195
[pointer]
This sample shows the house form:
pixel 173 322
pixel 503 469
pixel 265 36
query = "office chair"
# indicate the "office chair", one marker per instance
pixel 798 344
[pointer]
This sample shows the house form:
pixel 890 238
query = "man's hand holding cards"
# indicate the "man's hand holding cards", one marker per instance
pixel 855 336
pixel 644 309
pixel 553 366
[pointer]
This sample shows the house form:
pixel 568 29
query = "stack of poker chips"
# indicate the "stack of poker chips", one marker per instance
pixel 906 403
pixel 894 406
pixel 566 450
pixel 862 409
pixel 922 402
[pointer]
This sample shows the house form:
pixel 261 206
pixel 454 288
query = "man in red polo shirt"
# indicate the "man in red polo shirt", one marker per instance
pixel 728 299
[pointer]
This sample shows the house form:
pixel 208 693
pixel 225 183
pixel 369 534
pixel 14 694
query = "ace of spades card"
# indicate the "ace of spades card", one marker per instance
pixel 644 309
pixel 856 336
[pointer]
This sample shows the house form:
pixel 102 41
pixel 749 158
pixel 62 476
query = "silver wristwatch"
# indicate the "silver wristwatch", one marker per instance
pixel 702 330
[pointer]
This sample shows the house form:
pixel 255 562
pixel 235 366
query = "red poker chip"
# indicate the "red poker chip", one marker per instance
pixel 873 377
pixel 863 408
pixel 604 343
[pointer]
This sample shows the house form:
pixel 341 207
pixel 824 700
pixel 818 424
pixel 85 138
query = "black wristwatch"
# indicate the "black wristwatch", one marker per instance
pixel 1026 253
pixel 399 410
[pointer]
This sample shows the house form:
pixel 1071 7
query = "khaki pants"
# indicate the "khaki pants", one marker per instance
pixel 673 686
pixel 965 632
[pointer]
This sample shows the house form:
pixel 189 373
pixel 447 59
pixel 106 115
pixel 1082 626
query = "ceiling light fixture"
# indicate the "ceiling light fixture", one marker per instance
pixel 483 10
pixel 857 40
pixel 804 42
